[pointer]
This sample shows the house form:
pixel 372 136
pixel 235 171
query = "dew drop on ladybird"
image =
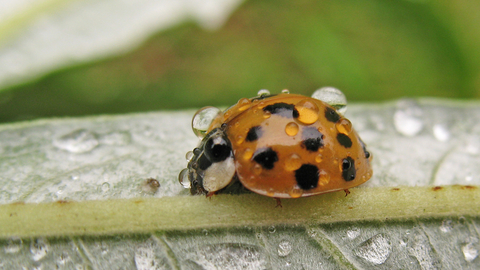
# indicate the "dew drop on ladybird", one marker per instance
pixel 295 192
pixel 257 169
pixel 307 112
pixel 293 162
pixel 318 158
pixel 247 154
pixel 291 129
pixel 183 178
pixel 263 92
pixel 244 104
pixel 239 139
pixel 267 114
pixel 344 126
pixel 324 179
pixel 202 119
pixel 189 155
pixel 333 97
pixel 285 91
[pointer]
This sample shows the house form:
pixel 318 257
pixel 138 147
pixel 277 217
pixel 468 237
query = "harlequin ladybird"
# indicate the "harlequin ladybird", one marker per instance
pixel 282 146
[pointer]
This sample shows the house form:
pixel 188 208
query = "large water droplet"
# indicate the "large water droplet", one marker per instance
pixel 14 245
pixel 293 162
pixel 344 126
pixel 39 249
pixel 244 104
pixel 291 129
pixel 441 132
pixel 263 92
pixel 183 178
pixel 470 252
pixel 78 141
pixel 202 119
pixel 284 248
pixel 375 250
pixel 307 112
pixel 285 91
pixel 333 97
pixel 408 118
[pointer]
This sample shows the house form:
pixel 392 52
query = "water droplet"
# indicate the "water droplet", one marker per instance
pixel 272 229
pixel 105 186
pixel 353 233
pixel 307 112
pixel 183 178
pixel 14 245
pixel 408 118
pixel 447 226
pixel 263 92
pixel 205 232
pixel 344 126
pixel 257 169
pixel 247 154
pixel 291 129
pixel 441 132
pixel 202 119
pixel 319 158
pixel 189 155
pixel 39 249
pixel 284 248
pixel 244 104
pixel 293 162
pixel 333 97
pixel 324 178
pixel 470 251
pixel 375 250
pixel 295 192
pixel 78 141
pixel 267 114
pixel 286 91
pixel 239 139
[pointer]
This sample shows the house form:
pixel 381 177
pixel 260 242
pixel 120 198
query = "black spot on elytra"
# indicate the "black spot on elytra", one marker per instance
pixel 312 139
pixel 331 115
pixel 218 151
pixel 367 154
pixel 348 169
pixel 282 109
pixel 266 157
pixel 307 176
pixel 254 133
pixel 344 140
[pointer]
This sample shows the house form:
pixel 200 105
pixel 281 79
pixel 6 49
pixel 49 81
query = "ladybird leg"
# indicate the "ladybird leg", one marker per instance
pixel 279 203
pixel 210 194
pixel 346 192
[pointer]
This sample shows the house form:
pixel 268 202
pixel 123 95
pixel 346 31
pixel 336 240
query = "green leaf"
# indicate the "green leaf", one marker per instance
pixel 76 196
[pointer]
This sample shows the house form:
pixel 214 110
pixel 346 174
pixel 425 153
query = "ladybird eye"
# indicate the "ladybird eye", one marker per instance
pixel 217 149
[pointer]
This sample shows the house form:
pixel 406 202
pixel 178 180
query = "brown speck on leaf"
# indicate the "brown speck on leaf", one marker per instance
pixel 395 189
pixel 469 187
pixel 437 188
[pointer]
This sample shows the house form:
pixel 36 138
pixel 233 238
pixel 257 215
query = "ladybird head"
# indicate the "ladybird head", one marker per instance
pixel 212 166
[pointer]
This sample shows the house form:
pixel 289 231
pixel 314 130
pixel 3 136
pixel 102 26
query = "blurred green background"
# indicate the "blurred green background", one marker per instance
pixel 371 50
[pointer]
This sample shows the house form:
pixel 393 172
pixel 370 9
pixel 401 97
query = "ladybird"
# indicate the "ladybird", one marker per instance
pixel 281 146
